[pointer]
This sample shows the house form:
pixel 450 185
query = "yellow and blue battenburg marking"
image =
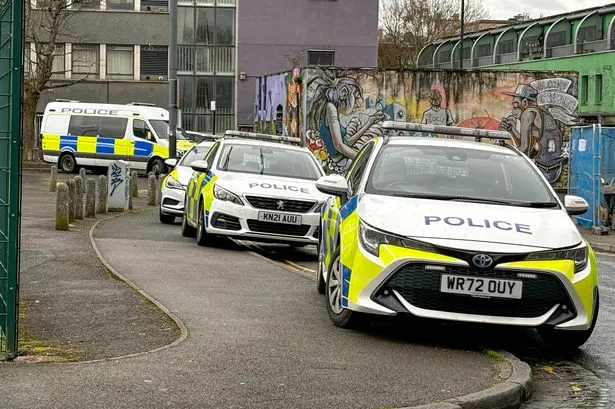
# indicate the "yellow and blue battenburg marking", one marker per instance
pixel 345 212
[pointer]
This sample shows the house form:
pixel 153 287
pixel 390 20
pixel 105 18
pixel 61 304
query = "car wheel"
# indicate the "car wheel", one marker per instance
pixel 166 218
pixel 202 237
pixel 187 230
pixel 67 163
pixel 569 340
pixel 340 316
pixel 157 166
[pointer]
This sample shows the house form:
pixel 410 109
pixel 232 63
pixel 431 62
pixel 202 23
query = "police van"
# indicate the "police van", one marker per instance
pixel 75 134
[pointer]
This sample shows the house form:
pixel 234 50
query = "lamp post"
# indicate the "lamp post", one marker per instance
pixel 172 78
pixel 461 35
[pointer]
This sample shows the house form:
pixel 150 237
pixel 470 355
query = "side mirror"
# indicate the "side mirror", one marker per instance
pixel 200 166
pixel 171 162
pixel 335 185
pixel 575 205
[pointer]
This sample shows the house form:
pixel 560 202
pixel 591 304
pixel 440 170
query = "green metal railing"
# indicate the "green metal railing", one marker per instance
pixel 11 23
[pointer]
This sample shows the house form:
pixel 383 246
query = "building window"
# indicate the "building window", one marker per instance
pixel 320 57
pixel 598 89
pixel 584 90
pixel 41 50
pixel 85 4
pixel 205 25
pixel 225 26
pixel 86 59
pixel 120 62
pixel 154 63
pixel 120 5
pixel 507 47
pixel 154 5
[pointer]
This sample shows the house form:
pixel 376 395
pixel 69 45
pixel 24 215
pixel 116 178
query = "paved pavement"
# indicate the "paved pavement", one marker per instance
pixel 258 335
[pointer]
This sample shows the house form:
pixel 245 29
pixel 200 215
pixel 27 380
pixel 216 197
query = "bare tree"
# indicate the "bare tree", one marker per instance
pixel 406 26
pixel 46 32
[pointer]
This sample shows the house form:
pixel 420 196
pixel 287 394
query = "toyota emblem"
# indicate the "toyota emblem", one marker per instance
pixel 482 260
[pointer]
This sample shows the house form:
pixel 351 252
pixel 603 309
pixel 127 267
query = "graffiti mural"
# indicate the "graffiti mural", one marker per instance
pixel 335 111
pixel 270 105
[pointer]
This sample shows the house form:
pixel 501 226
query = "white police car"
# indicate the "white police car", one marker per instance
pixel 256 187
pixel 455 230
pixel 174 184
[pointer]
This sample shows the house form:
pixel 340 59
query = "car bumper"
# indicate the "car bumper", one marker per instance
pixel 172 201
pixel 408 281
pixel 241 222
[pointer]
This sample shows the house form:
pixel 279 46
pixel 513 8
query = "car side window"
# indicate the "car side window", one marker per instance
pixel 357 170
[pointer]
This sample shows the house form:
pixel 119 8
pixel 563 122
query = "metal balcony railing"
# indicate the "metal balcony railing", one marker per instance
pixel 206 59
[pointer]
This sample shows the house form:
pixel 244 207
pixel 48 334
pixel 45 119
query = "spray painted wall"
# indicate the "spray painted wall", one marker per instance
pixel 341 109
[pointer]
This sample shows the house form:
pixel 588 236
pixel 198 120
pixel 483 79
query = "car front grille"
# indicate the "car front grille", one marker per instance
pixel 224 221
pixel 421 288
pixel 282 205
pixel 278 228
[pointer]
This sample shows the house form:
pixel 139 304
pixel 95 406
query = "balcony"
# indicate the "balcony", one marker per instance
pixel 206 60
pixel 592 46
pixel 507 58
pixel 482 61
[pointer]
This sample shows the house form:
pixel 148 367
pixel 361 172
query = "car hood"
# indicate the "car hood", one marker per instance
pixel 285 188
pixel 470 226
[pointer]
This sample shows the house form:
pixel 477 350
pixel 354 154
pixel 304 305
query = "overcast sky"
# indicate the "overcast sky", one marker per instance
pixel 504 9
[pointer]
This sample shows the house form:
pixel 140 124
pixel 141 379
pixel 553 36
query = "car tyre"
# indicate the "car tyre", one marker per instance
pixel 157 166
pixel 340 316
pixel 202 237
pixel 165 218
pixel 187 230
pixel 67 163
pixel 569 340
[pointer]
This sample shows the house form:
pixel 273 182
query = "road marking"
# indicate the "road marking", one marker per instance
pixel 283 263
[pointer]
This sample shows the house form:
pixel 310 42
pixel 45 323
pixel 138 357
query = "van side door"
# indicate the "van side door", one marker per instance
pixel 144 140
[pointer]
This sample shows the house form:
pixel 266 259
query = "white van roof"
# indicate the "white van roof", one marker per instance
pixel 149 112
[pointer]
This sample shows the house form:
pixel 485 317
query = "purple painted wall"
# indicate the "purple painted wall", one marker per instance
pixel 272 32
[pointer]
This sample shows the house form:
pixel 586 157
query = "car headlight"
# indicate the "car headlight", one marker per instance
pixel 579 255
pixel 173 183
pixel 225 195
pixel 371 239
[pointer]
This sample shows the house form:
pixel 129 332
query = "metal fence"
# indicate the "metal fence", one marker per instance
pixel 592 173
pixel 11 18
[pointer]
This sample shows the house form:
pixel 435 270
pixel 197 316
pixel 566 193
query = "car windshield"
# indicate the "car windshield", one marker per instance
pixel 452 173
pixel 197 152
pixel 270 161
pixel 162 129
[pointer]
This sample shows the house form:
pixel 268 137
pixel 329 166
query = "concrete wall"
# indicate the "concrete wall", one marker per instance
pixel 362 99
pixel 275 35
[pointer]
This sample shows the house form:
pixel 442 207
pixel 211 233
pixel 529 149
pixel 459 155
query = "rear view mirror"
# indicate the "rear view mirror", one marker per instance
pixel 575 205
pixel 200 166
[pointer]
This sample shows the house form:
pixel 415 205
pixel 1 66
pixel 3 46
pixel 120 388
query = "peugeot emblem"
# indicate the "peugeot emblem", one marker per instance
pixel 482 260
pixel 280 205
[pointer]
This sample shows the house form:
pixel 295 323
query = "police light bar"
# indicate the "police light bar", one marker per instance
pixel 441 129
pixel 262 137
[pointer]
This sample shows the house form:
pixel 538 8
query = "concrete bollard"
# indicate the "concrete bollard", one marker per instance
pixel 90 198
pixel 53 180
pixel 159 188
pixel 82 174
pixel 79 188
pixel 71 200
pixel 101 202
pixel 151 190
pixel 62 207
pixel 134 184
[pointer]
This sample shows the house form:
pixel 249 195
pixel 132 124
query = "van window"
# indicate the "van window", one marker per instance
pixel 55 124
pixel 113 127
pixel 81 125
pixel 140 129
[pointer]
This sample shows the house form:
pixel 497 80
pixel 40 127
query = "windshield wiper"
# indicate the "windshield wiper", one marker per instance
pixel 228 157
pixel 262 160
pixel 537 204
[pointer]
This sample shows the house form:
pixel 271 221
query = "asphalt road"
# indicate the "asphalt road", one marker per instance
pixel 585 378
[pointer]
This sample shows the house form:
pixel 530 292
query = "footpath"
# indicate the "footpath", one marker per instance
pixel 78 321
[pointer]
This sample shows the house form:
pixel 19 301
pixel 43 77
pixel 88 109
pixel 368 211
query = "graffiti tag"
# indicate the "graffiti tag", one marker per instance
pixel 116 177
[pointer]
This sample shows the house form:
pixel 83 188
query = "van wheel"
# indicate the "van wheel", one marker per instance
pixel 157 166
pixel 67 163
